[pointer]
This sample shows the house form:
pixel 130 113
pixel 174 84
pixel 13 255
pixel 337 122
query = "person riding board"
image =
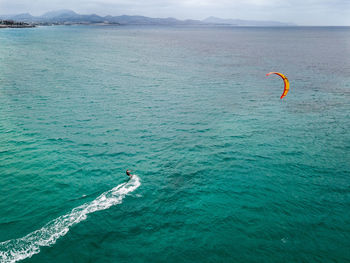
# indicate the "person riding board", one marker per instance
pixel 128 173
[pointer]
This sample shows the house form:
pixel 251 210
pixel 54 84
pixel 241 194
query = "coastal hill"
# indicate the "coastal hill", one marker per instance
pixel 71 17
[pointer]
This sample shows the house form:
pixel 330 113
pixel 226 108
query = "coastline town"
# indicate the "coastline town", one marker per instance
pixel 14 24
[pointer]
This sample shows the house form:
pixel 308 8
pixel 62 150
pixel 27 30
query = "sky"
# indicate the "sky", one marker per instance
pixel 301 12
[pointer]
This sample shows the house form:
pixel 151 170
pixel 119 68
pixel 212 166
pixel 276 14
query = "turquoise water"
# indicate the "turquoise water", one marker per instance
pixel 226 171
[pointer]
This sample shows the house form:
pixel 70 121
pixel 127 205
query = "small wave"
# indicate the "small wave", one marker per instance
pixel 18 249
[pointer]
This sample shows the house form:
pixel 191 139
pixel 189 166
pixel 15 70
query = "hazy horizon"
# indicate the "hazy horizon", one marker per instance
pixel 304 13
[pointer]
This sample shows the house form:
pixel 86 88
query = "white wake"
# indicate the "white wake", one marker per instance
pixel 17 249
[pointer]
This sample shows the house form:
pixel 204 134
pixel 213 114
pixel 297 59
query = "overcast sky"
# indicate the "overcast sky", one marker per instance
pixel 302 12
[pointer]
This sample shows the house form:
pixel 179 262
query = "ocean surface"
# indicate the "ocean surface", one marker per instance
pixel 226 171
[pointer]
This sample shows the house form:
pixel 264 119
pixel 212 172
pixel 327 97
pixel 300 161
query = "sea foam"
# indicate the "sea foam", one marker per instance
pixel 18 249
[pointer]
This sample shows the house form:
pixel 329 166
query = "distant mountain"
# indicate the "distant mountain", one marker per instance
pixel 239 22
pixel 59 13
pixel 20 17
pixel 70 17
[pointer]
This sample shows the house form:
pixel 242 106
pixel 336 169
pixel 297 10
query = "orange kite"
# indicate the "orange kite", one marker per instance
pixel 285 80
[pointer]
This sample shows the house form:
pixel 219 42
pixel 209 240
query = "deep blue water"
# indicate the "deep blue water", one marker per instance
pixel 226 171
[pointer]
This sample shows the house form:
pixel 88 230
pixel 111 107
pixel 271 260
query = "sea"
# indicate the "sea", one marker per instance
pixel 224 170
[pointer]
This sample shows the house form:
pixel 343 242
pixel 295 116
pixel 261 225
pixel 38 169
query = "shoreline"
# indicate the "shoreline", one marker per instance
pixel 17 26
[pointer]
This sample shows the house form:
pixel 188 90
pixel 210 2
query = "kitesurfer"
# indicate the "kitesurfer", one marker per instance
pixel 128 173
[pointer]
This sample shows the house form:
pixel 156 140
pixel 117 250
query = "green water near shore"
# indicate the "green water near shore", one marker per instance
pixel 228 171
